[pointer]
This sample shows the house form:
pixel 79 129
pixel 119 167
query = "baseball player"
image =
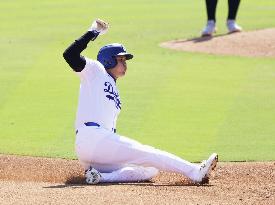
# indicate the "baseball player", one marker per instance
pixel 105 155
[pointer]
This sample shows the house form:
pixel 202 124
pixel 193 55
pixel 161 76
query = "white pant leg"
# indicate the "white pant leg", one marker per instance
pixel 130 174
pixel 100 146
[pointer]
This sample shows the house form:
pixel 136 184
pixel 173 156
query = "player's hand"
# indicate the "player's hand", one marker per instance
pixel 99 26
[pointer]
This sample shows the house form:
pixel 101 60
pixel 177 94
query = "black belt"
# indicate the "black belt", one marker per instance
pixel 93 124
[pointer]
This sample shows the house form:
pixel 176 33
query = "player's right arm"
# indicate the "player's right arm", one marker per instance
pixel 72 54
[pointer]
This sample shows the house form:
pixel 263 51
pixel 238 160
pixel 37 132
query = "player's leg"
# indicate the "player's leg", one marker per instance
pixel 125 174
pixel 233 6
pixel 210 27
pixel 100 146
pixel 232 26
pixel 127 151
pixel 211 6
pixel 130 174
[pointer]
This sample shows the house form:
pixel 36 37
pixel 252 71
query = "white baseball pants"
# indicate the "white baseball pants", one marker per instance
pixel 120 159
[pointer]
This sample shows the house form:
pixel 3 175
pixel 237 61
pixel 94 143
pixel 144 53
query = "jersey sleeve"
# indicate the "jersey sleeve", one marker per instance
pixel 72 53
pixel 91 69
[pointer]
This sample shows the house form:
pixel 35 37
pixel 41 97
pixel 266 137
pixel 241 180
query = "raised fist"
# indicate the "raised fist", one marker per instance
pixel 99 26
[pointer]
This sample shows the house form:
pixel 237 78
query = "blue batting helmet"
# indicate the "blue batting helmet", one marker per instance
pixel 107 55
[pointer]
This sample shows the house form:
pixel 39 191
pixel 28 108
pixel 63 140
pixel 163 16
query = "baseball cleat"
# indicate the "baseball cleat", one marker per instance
pixel 205 169
pixel 233 27
pixel 209 29
pixel 92 176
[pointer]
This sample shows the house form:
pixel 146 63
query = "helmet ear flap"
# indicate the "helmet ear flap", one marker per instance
pixel 114 61
pixel 110 62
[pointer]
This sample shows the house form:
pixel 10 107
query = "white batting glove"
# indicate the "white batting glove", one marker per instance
pixel 99 26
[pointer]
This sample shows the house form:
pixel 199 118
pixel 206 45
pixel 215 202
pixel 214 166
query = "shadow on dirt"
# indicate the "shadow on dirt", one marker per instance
pixel 200 39
pixel 79 182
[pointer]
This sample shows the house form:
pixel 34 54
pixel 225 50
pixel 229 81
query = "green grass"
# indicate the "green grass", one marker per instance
pixel 190 104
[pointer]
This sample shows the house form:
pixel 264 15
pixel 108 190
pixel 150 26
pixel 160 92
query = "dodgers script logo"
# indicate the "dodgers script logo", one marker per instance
pixel 112 95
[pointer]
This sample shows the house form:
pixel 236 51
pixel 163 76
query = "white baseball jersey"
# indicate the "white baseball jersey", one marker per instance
pixel 99 99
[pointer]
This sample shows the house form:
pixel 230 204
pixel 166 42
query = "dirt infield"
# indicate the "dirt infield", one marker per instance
pixel 29 180
pixel 260 43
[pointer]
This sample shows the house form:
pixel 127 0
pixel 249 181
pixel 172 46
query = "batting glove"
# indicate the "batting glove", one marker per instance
pixel 99 26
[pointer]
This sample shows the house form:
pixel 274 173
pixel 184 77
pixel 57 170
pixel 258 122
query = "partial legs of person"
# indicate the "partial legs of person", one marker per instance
pixel 231 24
pixel 97 146
pixel 210 27
pixel 125 174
